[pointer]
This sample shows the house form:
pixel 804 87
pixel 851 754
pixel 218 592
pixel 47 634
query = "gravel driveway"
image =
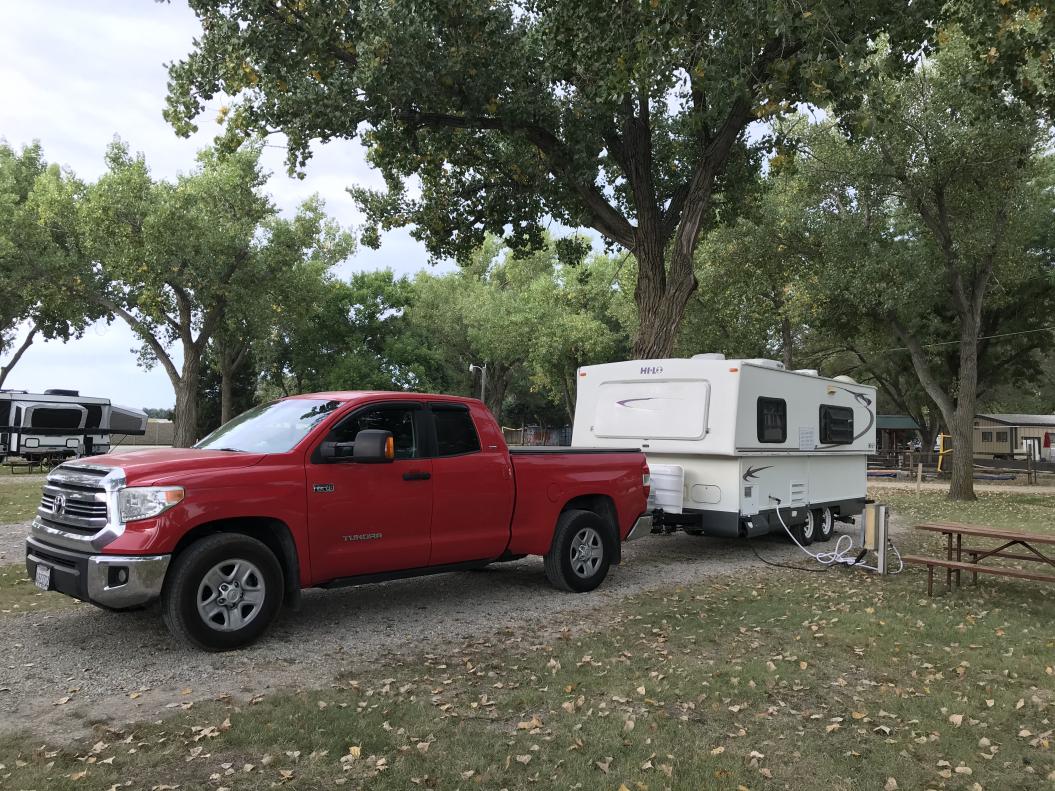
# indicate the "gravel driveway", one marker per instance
pixel 103 657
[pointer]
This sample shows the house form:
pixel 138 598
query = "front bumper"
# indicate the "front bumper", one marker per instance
pixel 113 581
pixel 642 527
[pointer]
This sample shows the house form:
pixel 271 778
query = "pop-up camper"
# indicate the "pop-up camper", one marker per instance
pixel 61 424
pixel 730 441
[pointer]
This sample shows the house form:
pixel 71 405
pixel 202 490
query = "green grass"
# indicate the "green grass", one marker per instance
pixel 1034 512
pixel 19 498
pixel 19 595
pixel 768 680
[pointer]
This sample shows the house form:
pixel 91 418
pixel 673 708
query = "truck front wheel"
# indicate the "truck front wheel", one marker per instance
pixel 581 552
pixel 222 592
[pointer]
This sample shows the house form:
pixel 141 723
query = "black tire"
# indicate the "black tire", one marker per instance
pixel 806 532
pixel 825 521
pixel 581 552
pixel 255 577
pixel 693 531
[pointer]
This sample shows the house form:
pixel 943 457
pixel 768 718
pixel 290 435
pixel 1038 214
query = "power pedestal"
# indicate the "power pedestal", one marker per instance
pixel 876 523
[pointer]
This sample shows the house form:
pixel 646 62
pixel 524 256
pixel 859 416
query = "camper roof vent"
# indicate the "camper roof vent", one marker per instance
pixel 844 378
pixel 807 371
pixel 709 356
pixel 762 363
pixel 62 392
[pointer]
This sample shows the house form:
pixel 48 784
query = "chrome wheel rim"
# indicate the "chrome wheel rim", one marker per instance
pixel 587 551
pixel 231 595
pixel 808 528
pixel 827 522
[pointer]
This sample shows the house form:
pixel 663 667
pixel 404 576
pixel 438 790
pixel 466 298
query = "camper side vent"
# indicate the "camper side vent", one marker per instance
pixel 799 493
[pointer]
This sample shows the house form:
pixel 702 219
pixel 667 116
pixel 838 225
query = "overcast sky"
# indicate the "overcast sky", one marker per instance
pixel 72 75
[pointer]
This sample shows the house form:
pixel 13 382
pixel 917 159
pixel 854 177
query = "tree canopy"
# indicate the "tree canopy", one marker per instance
pixel 37 256
pixel 917 224
pixel 626 118
pixel 178 260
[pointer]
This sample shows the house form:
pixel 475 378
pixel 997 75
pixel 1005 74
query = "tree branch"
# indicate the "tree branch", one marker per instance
pixel 604 217
pixel 148 337
pixel 923 370
pixel 5 369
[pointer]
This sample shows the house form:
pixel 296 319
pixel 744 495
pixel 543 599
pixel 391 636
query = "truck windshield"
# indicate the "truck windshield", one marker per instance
pixel 270 428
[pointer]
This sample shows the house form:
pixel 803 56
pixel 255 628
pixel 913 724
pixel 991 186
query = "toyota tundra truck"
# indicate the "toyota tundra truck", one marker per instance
pixel 324 490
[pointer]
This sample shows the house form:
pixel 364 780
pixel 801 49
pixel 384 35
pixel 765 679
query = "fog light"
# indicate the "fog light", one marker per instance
pixel 117 575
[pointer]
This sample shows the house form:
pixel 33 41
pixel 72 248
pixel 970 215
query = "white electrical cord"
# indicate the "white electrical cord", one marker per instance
pixel 841 553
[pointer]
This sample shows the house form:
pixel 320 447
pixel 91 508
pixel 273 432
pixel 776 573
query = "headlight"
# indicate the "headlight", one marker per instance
pixel 143 502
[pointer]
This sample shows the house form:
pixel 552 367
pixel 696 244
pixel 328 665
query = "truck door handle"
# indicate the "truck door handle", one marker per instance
pixel 416 475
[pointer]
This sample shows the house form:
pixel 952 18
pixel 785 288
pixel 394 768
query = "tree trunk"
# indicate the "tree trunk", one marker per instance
pixel 497 384
pixel 231 361
pixel 661 303
pixel 185 430
pixel 962 468
pixel 959 414
pixel 786 341
pixel 226 394
pixel 568 391
pixel 961 422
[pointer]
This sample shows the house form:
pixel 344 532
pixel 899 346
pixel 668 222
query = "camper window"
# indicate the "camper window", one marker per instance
pixel 837 425
pixel 987 436
pixel 1001 436
pixel 772 420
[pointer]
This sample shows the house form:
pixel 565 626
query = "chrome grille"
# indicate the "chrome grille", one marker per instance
pixel 74 503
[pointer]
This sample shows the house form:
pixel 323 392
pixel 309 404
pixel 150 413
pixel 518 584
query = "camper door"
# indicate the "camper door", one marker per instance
pixel 674 409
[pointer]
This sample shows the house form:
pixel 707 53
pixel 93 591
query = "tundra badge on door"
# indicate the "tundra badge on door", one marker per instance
pixel 323 487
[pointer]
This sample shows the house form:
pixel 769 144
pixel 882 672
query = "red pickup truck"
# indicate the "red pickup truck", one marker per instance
pixel 324 490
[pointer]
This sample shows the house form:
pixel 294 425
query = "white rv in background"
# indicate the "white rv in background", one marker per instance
pixel 62 424
pixel 729 442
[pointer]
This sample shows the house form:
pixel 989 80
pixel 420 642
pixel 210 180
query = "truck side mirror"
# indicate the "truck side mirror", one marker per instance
pixel 373 446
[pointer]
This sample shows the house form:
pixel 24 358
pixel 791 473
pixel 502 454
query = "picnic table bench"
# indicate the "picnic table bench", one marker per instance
pixel 1032 546
pixel 14 464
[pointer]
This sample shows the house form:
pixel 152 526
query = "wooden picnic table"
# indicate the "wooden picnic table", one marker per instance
pixel 29 464
pixel 1032 546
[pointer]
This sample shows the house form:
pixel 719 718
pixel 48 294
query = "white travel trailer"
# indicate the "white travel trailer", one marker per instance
pixel 61 424
pixel 729 442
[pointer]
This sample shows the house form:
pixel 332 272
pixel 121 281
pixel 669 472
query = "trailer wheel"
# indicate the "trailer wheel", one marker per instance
pixel 806 533
pixel 222 592
pixel 825 521
pixel 581 553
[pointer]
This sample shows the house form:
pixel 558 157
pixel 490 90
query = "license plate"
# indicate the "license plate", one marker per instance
pixel 43 577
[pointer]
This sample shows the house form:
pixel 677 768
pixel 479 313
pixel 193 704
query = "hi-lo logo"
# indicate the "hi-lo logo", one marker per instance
pixel 651 369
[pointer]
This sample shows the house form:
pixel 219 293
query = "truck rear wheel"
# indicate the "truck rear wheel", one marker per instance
pixel 222 592
pixel 581 553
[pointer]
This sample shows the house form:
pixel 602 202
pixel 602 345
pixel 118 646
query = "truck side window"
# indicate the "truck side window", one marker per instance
pixel 398 420
pixel 772 419
pixel 455 432
pixel 837 425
